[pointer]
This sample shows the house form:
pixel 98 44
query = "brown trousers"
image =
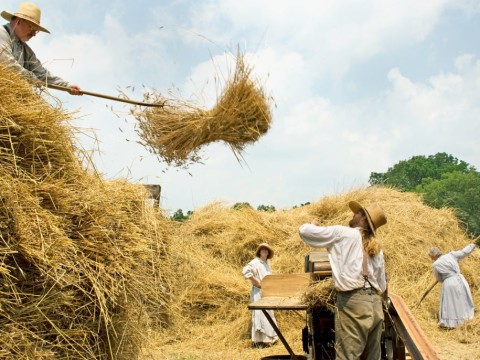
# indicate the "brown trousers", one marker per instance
pixel 358 325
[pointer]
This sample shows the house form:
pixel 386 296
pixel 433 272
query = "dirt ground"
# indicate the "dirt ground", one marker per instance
pixel 199 348
pixel 452 349
pixel 190 350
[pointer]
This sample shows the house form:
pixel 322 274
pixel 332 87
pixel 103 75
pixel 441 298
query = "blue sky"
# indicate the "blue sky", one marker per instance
pixel 358 86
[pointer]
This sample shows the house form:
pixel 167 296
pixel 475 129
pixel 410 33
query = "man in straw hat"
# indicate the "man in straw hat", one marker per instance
pixel 263 333
pixel 456 302
pixel 358 272
pixel 14 51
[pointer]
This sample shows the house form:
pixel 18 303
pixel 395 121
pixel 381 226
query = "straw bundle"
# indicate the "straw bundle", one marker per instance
pixel 217 241
pixel 80 258
pixel 177 131
pixel 321 294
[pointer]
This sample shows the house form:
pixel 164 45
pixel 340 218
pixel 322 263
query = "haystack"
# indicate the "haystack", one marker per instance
pixel 217 241
pixel 177 132
pixel 80 257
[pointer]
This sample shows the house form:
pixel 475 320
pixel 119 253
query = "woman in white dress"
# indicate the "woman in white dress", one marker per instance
pixel 456 303
pixel 263 333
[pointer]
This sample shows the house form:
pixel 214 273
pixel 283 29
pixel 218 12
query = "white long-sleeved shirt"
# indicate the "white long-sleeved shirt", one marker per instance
pixel 257 268
pixel 20 57
pixel 447 265
pixel 345 252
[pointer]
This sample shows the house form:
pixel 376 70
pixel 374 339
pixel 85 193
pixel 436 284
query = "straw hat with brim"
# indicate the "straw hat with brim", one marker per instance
pixel 27 11
pixel 375 215
pixel 264 246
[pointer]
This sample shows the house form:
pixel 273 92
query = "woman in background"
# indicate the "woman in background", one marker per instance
pixel 456 303
pixel 263 333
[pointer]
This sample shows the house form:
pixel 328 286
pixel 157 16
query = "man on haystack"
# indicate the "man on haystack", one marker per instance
pixel 16 54
pixel 358 271
pixel 263 333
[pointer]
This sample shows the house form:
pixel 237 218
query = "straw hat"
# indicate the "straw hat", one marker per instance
pixel 375 215
pixel 27 11
pixel 264 246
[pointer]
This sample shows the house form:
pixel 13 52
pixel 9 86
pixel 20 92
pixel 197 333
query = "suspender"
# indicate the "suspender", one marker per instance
pixel 365 268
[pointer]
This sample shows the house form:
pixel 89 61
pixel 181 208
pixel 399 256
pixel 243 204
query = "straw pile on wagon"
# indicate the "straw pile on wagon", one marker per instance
pixel 177 132
pixel 80 257
pixel 217 241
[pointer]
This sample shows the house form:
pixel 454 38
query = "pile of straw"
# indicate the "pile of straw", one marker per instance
pixel 80 257
pixel 217 241
pixel 88 269
pixel 176 132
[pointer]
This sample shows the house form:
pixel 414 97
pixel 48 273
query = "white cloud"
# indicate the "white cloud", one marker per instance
pixel 334 34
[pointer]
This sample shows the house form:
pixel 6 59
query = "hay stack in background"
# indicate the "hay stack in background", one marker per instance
pixel 176 132
pixel 217 241
pixel 80 258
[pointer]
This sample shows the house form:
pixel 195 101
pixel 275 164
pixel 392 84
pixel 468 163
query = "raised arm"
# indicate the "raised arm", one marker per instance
pixel 460 254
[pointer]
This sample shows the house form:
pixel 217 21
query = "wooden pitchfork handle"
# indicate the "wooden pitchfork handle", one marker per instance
pixel 432 285
pixel 84 92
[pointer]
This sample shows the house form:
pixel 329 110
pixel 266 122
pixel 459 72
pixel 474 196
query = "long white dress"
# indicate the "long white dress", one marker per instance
pixel 456 303
pixel 262 331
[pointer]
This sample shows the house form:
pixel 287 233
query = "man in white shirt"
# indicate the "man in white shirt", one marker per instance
pixel 358 271
pixel 17 55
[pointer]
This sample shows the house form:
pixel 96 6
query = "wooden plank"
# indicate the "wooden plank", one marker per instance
pixel 412 335
pixel 278 303
pixel 323 273
pixel 318 256
pixel 282 292
pixel 285 285
pixel 322 266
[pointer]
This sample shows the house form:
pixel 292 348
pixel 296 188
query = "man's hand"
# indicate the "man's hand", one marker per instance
pixel 75 90
pixel 315 222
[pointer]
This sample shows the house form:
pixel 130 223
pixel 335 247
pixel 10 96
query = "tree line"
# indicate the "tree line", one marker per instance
pixel 443 181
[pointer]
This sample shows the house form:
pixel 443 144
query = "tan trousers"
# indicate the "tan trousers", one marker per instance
pixel 358 325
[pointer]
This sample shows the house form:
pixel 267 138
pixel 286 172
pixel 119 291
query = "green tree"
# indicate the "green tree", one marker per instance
pixel 179 216
pixel 443 180
pixel 304 204
pixel 267 208
pixel 457 190
pixel 408 174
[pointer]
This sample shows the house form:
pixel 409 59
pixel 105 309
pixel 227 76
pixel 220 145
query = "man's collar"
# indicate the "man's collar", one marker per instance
pixel 13 36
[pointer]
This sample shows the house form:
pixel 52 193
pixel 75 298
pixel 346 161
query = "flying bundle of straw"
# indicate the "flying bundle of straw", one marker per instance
pixel 177 131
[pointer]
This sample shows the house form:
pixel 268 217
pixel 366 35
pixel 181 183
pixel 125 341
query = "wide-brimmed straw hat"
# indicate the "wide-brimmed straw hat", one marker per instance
pixel 375 215
pixel 264 246
pixel 27 11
